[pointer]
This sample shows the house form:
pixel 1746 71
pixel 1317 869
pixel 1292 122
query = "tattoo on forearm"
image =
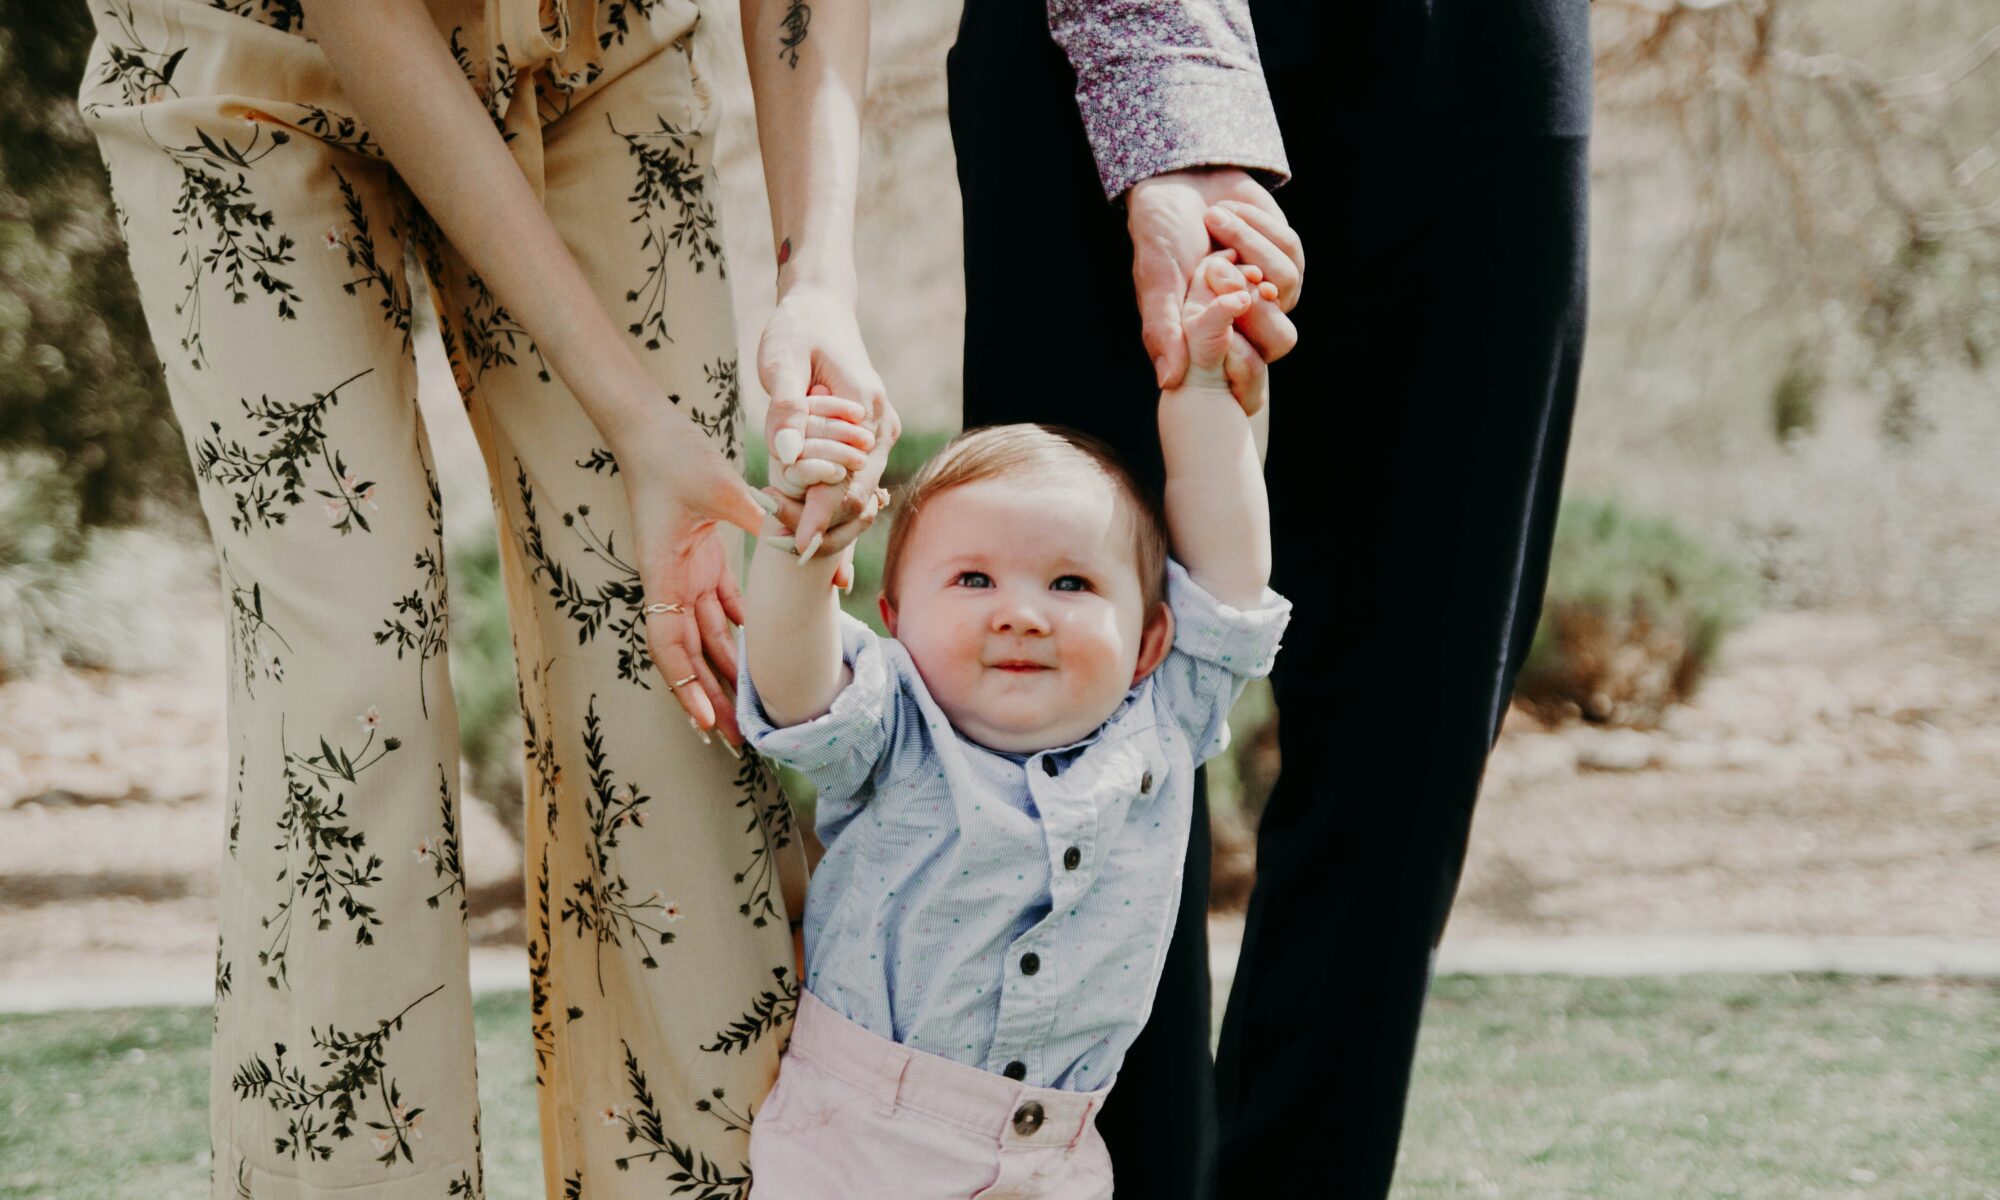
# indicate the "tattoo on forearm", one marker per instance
pixel 784 252
pixel 797 16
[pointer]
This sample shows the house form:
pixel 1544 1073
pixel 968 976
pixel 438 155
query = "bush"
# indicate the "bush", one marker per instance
pixel 1634 613
pixel 77 374
pixel 76 597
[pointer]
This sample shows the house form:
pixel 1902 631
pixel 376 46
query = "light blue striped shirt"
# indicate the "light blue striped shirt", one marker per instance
pixel 1005 910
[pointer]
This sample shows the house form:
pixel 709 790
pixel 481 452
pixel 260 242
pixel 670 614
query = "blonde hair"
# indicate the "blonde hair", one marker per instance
pixel 1001 451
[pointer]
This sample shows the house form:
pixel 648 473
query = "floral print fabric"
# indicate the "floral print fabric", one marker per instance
pixel 269 236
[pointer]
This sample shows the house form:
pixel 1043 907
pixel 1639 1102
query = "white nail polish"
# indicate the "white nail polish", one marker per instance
pixel 696 726
pixel 788 442
pixel 812 548
pixel 785 542
pixel 768 503
pixel 733 751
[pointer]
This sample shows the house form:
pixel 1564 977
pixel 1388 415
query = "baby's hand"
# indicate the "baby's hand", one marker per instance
pixel 1219 293
pixel 834 443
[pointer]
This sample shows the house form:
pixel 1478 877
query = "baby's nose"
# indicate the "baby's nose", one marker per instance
pixel 1019 616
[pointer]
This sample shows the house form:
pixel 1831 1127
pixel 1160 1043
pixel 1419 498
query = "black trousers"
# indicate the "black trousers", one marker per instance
pixel 1417 446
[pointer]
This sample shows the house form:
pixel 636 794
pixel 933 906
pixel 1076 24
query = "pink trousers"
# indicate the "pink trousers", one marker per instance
pixel 856 1115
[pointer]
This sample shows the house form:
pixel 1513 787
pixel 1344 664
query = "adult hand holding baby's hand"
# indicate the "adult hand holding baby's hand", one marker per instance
pixel 830 450
pixel 812 342
pixel 1174 220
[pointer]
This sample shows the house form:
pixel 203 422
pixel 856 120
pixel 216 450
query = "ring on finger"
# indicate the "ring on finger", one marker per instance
pixel 680 683
pixel 662 606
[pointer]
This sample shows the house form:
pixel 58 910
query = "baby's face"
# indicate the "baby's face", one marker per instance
pixel 1019 601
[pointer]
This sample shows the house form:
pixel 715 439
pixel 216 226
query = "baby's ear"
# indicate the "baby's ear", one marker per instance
pixel 1154 641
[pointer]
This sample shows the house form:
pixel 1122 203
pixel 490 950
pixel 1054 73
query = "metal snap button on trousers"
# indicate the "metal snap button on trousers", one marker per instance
pixel 1028 1118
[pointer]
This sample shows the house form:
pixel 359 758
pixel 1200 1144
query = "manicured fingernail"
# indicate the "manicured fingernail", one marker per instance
pixel 1160 370
pixel 847 588
pixel 696 726
pixel 766 502
pixel 812 548
pixel 788 442
pixel 783 541
pixel 733 751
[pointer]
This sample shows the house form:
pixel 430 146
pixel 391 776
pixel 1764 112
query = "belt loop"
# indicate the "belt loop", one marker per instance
pixel 1082 1124
pixel 889 1089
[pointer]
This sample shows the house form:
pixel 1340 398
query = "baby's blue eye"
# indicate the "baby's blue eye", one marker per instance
pixel 1071 583
pixel 975 579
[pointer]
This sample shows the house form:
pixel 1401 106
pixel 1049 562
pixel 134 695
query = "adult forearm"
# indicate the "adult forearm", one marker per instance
pixel 1164 85
pixel 808 72
pixel 1218 517
pixel 399 76
pixel 792 632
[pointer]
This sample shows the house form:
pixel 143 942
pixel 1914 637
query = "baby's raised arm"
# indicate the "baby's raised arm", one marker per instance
pixel 791 630
pixel 1218 517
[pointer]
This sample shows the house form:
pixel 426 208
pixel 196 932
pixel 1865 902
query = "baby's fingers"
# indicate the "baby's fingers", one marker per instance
pixel 808 472
pixel 838 408
pixel 847 457
pixel 1207 326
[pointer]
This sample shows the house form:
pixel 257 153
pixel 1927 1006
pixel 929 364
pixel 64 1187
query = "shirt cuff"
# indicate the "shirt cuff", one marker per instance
pixel 1243 642
pixel 1143 121
pixel 853 731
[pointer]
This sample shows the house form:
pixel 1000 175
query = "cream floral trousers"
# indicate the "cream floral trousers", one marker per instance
pixel 268 237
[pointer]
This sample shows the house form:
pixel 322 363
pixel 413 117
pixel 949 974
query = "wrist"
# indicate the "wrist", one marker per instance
pixel 649 438
pixel 835 280
pixel 1200 379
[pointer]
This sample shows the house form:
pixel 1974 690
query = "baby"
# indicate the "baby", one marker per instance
pixel 1005 787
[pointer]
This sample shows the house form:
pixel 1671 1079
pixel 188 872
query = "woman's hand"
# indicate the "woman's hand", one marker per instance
pixel 812 341
pixel 682 494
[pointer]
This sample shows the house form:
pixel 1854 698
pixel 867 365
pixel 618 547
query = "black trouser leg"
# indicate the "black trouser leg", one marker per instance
pixel 1418 436
pixel 1036 226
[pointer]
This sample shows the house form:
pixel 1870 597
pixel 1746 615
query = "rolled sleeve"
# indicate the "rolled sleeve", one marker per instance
pixel 1217 650
pixel 1165 87
pixel 839 750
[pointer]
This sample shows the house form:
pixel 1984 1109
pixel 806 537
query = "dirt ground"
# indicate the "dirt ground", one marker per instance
pixel 1832 777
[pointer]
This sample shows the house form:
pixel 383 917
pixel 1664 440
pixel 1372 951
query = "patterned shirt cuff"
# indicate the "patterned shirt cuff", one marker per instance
pixel 1243 642
pixel 853 730
pixel 1145 120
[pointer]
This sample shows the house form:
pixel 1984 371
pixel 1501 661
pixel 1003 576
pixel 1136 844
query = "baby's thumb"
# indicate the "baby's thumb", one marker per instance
pixel 1208 325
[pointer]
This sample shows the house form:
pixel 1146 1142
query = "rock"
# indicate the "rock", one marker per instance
pixel 1617 750
pixel 1748 754
pixel 1692 756
pixel 1524 757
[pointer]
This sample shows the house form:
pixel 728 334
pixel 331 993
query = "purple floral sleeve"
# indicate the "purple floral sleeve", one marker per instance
pixel 1168 84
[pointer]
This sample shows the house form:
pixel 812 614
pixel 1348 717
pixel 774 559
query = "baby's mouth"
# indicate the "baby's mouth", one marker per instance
pixel 1021 666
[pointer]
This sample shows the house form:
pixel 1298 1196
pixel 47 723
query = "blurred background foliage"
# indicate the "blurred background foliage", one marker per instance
pixel 78 378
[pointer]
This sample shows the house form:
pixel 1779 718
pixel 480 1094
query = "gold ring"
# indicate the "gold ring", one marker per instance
pixel 661 606
pixel 882 497
pixel 681 682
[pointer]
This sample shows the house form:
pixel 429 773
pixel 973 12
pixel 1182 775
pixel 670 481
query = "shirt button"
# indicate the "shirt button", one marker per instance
pixel 1016 1070
pixel 1028 1118
pixel 1072 859
pixel 1031 962
pixel 1049 766
pixel 1146 783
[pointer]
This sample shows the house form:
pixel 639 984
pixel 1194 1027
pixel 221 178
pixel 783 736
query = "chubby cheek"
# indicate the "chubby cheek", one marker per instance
pixel 946 649
pixel 1095 653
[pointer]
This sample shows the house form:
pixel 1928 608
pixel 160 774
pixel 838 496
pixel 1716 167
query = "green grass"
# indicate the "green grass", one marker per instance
pixel 1722 1086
